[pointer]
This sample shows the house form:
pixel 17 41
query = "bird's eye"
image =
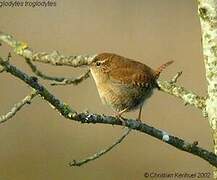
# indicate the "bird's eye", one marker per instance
pixel 98 63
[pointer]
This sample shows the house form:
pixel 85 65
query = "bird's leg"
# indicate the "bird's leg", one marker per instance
pixel 121 112
pixel 140 112
pixel 118 114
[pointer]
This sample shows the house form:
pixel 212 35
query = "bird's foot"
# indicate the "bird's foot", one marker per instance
pixel 139 120
pixel 118 115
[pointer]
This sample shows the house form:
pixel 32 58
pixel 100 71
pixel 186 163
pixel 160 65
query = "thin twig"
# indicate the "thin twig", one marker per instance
pixel 17 107
pixel 57 80
pixel 187 96
pixel 100 153
pixel 39 73
pixel 73 81
pixel 71 114
pixel 175 78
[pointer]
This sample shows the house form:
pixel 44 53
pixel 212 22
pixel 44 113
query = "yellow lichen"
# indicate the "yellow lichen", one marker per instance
pixel 20 47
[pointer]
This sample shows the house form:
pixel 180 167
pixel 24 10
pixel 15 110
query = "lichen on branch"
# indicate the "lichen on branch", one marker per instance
pixel 207 11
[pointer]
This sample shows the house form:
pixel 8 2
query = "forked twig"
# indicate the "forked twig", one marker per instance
pixel 17 107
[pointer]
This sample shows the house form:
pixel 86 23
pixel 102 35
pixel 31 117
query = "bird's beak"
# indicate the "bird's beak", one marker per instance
pixel 91 61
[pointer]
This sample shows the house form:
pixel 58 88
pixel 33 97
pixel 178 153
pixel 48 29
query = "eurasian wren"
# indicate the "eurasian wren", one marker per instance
pixel 122 83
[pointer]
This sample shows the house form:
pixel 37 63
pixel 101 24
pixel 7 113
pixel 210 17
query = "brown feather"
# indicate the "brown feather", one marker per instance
pixel 126 70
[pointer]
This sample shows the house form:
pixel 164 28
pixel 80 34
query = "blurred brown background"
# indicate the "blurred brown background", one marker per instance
pixel 38 143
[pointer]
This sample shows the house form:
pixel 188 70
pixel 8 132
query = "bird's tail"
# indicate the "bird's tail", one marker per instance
pixel 161 68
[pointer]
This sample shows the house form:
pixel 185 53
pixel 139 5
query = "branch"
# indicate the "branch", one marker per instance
pixel 57 80
pixel 71 114
pixel 53 58
pixel 38 73
pixel 207 11
pixel 188 97
pixel 73 81
pixel 17 107
pixel 100 153
pixel 176 77
pixel 32 81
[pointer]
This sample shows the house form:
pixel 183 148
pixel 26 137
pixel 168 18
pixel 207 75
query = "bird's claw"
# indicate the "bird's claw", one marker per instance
pixel 121 119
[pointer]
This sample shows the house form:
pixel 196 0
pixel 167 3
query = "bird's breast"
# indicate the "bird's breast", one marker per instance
pixel 98 76
pixel 122 96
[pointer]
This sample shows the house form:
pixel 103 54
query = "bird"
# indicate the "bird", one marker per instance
pixel 122 83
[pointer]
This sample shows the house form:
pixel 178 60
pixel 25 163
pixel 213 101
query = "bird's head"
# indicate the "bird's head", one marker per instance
pixel 100 60
pixel 100 67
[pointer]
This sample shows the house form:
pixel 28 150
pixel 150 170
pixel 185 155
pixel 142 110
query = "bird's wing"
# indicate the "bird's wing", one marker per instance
pixel 131 73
